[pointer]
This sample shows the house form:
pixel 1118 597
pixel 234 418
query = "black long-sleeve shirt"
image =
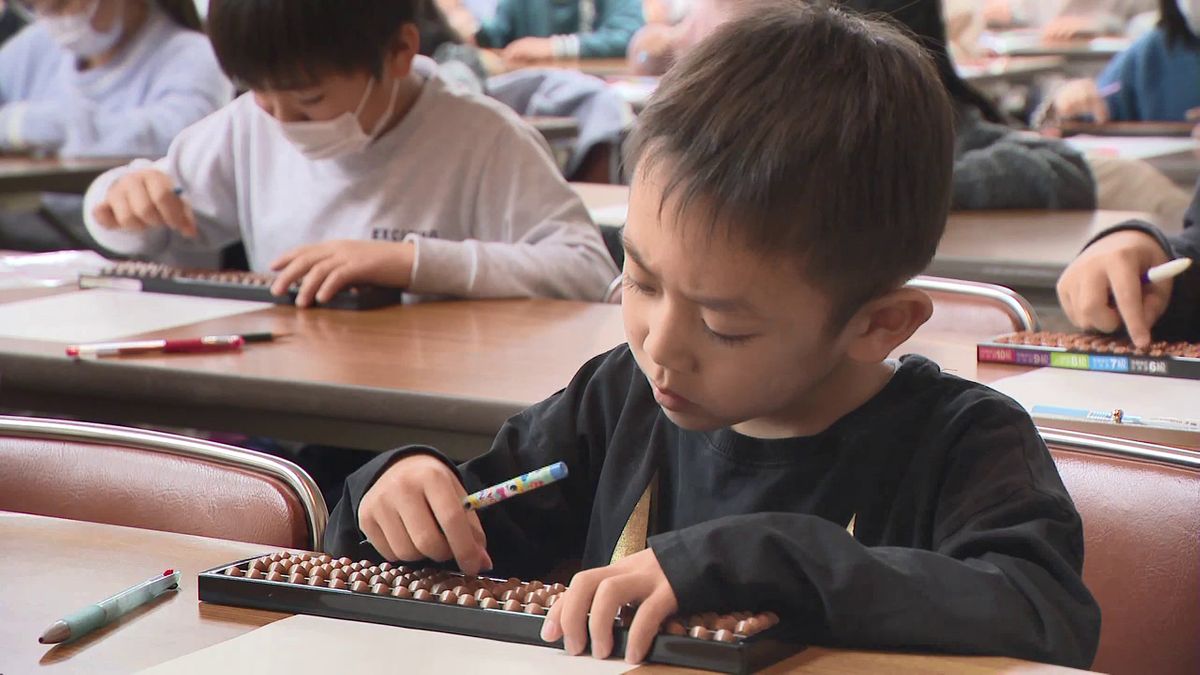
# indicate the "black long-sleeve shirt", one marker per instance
pixel 965 539
pixel 1181 321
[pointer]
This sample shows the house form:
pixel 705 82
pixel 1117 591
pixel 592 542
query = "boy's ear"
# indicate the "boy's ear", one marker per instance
pixel 405 46
pixel 886 322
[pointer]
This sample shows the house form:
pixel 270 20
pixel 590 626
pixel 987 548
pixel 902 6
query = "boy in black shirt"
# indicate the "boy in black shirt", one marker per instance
pixel 753 440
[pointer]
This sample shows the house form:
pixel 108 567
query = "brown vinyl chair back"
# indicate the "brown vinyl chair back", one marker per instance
pixel 1140 505
pixel 157 481
pixel 985 310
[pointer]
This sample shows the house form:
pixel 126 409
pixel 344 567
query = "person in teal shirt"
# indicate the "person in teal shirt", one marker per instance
pixel 1156 80
pixel 540 30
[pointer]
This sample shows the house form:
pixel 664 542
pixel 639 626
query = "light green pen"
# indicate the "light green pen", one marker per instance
pixel 94 616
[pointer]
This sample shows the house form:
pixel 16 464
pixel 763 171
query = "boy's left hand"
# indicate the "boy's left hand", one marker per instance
pixel 601 592
pixel 529 50
pixel 330 266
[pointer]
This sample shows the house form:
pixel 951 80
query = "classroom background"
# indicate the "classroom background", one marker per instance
pixel 1075 120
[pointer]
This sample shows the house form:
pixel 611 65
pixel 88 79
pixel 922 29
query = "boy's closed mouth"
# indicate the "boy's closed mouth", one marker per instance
pixel 669 399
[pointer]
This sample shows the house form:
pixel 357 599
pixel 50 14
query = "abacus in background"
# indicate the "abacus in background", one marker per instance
pixel 499 609
pixel 233 285
pixel 1088 351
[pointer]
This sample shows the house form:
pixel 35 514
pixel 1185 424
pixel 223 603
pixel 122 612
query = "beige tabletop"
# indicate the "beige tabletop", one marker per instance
pixel 447 373
pixel 53 567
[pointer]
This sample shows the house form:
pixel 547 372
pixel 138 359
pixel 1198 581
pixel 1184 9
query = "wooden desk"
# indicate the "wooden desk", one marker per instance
pixel 1020 248
pixel 26 174
pixel 1011 248
pixel 446 373
pixel 1029 42
pixel 1009 69
pixel 47 561
pixel 1179 129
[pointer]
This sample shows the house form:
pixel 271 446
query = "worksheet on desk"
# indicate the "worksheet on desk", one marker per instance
pixel 303 644
pixel 1141 395
pixel 103 314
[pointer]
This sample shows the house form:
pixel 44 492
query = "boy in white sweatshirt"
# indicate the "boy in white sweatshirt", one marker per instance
pixel 348 162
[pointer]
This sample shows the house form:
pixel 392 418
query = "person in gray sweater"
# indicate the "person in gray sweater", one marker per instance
pixel 995 166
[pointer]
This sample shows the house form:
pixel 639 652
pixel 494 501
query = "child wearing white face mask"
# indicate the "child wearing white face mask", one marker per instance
pixel 350 161
pixel 106 77
pixel 100 78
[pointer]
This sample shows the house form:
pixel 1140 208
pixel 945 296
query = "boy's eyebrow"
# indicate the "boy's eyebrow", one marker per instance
pixel 715 304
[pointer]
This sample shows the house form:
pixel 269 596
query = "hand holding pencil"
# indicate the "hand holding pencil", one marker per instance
pixel 418 509
pixel 1124 279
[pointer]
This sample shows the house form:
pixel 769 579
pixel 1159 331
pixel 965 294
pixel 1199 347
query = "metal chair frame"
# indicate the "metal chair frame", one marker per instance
pixel 155 441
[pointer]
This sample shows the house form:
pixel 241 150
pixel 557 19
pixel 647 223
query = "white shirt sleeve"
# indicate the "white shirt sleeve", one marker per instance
pixel 532 235
pixel 201 162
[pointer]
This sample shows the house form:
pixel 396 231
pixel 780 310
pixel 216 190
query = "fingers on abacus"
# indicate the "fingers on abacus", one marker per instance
pixel 612 593
pixel 650 616
pixel 395 533
pixel 1127 292
pixel 336 280
pixel 377 537
pixel 312 281
pixel 291 272
pixel 577 602
pixel 454 522
pixel 423 529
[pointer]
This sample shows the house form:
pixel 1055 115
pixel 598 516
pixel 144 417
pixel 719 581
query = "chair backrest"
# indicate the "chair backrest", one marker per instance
pixel 157 481
pixel 976 308
pixel 1140 505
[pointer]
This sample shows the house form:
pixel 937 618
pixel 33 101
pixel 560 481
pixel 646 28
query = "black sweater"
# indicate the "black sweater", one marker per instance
pixel 965 539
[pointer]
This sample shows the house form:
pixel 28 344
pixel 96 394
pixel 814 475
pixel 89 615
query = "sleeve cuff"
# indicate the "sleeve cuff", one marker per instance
pixel 565 47
pixel 442 267
pixel 1137 226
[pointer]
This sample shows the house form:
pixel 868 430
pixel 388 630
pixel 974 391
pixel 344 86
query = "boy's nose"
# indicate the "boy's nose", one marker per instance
pixel 666 342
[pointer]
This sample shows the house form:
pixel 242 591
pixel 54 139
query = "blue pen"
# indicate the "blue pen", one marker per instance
pixel 96 615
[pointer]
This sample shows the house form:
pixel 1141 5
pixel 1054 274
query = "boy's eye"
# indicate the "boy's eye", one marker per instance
pixel 311 100
pixel 731 340
pixel 633 285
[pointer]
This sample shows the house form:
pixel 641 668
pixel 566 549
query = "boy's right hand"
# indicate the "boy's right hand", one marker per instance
pixel 414 511
pixel 1079 98
pixel 1112 268
pixel 144 199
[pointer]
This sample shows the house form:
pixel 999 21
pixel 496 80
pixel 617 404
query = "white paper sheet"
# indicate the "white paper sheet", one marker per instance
pixel 300 645
pixel 1140 395
pixel 101 314
pixel 1132 147
pixel 44 270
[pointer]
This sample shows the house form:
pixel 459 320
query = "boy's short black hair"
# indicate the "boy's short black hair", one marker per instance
pixel 815 136
pixel 288 44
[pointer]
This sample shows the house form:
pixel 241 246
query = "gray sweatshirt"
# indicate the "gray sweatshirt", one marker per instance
pixel 996 167
pixel 462 177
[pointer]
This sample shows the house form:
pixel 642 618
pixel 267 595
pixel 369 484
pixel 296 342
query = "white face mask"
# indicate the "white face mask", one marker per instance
pixel 74 32
pixel 340 136
pixel 1191 13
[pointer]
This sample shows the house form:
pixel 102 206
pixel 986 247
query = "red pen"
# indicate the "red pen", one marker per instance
pixel 211 343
